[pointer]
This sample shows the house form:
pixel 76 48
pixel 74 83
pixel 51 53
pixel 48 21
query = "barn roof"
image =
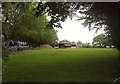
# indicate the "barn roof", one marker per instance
pixel 64 42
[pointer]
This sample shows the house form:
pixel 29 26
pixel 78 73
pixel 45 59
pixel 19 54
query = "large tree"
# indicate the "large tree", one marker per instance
pixel 96 15
pixel 99 15
pixel 58 11
pixel 102 41
pixel 19 23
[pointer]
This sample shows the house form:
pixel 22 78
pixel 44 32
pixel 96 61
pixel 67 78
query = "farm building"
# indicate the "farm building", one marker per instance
pixel 65 44
pixel 56 45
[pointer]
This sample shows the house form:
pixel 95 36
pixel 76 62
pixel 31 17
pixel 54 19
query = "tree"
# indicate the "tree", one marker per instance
pixel 19 23
pixel 103 15
pixel 58 11
pixel 14 17
pixel 101 41
pixel 79 42
pixel 97 14
pixel 86 45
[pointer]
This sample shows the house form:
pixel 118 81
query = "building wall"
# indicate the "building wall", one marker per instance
pixel 61 46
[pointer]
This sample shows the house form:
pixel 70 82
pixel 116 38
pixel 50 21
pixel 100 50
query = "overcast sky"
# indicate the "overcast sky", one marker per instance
pixel 74 31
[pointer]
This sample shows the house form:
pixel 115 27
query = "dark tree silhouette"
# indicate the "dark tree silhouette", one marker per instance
pixel 98 14
pixel 59 11
pixel 107 15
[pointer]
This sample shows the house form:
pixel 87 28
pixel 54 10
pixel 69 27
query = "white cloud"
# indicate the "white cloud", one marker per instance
pixel 73 31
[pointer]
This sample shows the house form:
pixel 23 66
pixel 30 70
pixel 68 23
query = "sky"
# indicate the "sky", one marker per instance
pixel 74 31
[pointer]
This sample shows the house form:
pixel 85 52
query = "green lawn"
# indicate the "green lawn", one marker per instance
pixel 62 65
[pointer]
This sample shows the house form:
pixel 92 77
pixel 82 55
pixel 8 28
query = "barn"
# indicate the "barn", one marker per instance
pixel 64 44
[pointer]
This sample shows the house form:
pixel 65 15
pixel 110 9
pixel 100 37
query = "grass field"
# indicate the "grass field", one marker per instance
pixel 62 65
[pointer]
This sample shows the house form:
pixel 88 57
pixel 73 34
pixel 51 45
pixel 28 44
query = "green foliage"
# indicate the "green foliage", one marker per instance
pixel 102 41
pixel 58 11
pixel 96 15
pixel 19 23
pixel 99 15
pixel 86 45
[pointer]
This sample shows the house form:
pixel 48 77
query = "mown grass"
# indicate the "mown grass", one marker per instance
pixel 62 65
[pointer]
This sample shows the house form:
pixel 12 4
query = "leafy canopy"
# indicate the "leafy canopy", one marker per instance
pixel 19 23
